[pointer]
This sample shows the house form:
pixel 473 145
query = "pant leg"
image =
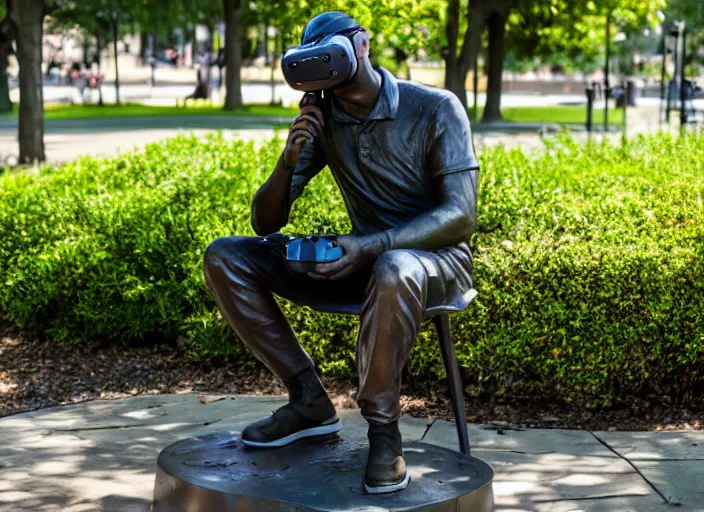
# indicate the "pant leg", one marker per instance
pixel 243 273
pixel 390 319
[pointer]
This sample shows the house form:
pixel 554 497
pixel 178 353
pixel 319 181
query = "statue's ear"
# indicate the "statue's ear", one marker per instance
pixel 361 44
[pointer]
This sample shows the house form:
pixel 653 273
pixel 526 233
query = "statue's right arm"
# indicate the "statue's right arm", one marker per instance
pixel 301 159
pixel 271 203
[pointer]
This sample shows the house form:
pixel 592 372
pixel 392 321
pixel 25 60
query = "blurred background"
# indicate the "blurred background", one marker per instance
pixel 508 60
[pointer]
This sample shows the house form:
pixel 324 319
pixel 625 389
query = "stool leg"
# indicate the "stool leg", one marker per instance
pixel 442 324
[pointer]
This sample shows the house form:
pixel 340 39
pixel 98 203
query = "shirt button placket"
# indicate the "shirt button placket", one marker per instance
pixel 364 149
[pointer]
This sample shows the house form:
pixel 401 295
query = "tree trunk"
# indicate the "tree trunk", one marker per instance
pixel 114 45
pixel 28 17
pixel 5 102
pixel 452 71
pixel 86 50
pixel 143 45
pixel 457 67
pixel 98 58
pixel 194 47
pixel 497 31
pixel 273 71
pixel 7 35
pixel 233 53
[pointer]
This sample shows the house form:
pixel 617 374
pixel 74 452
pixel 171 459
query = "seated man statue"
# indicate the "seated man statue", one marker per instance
pixel 403 158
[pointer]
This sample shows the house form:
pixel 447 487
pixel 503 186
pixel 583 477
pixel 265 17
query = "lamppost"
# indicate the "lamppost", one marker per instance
pixel 607 87
pixel 114 43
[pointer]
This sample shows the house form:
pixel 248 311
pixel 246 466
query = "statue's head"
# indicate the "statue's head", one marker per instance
pixel 328 57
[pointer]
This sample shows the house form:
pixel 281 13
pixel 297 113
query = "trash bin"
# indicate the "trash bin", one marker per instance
pixel 633 92
pixel 619 95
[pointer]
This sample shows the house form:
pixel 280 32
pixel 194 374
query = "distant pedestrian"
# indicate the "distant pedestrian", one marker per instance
pixel 78 78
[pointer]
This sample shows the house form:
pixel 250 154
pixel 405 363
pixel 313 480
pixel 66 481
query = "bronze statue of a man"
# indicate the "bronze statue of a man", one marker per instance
pixel 403 158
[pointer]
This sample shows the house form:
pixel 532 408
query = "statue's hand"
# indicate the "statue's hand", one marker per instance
pixel 305 128
pixel 356 252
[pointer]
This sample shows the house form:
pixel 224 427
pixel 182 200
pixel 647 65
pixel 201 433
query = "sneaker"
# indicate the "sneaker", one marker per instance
pixel 386 468
pixel 285 426
pixel 309 413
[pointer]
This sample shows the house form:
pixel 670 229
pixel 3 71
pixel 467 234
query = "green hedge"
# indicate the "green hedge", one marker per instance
pixel 589 261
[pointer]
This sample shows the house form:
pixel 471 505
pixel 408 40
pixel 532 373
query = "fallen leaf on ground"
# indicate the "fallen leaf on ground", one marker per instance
pixel 209 399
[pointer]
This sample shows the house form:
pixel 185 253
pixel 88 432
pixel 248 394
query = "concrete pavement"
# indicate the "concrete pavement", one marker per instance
pixel 257 92
pixel 101 455
pixel 67 140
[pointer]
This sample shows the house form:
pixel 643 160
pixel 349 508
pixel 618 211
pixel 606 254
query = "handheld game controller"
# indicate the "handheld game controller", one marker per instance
pixel 303 253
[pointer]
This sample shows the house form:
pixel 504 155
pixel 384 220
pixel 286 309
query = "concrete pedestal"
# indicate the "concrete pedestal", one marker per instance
pixel 216 472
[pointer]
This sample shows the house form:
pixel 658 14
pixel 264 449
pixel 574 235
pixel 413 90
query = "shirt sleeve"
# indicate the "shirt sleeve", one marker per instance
pixel 450 147
pixel 311 161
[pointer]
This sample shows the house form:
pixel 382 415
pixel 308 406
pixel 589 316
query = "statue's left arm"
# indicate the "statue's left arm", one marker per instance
pixel 452 222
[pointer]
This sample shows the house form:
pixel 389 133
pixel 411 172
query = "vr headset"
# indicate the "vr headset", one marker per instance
pixel 325 63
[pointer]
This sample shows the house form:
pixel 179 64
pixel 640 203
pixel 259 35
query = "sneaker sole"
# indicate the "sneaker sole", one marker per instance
pixel 384 489
pixel 322 430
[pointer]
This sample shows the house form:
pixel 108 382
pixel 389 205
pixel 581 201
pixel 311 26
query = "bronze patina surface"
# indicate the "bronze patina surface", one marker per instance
pixel 217 473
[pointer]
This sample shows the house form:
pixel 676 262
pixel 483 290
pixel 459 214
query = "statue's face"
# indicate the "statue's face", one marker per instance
pixel 325 63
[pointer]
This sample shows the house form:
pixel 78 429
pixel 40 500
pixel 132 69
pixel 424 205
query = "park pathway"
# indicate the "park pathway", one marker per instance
pixel 66 140
pixel 101 455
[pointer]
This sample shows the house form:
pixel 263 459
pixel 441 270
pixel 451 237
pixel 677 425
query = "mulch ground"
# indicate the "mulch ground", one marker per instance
pixel 35 374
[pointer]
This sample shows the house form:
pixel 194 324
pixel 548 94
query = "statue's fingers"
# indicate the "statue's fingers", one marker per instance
pixel 301 133
pixel 309 122
pixel 328 269
pixel 315 111
pixel 345 272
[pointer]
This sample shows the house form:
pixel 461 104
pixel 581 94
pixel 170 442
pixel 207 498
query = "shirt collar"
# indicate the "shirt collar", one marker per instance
pixel 386 104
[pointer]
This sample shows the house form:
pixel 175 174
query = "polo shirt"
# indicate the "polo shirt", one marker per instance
pixel 386 164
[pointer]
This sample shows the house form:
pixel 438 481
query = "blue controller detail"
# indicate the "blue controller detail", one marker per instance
pixel 313 248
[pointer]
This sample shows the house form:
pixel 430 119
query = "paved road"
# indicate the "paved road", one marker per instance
pixel 101 455
pixel 260 93
pixel 66 140
pixel 69 139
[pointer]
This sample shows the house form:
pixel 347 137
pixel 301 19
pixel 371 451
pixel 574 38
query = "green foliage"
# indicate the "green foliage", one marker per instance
pixel 93 111
pixel 556 114
pixel 589 261
pixel 692 11
pixel 571 34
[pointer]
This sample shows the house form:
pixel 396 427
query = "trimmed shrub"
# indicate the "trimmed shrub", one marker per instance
pixel 589 261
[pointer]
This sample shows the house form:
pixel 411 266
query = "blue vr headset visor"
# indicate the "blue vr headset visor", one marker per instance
pixel 327 62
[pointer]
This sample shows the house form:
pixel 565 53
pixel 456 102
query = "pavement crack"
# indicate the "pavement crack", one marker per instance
pixel 668 459
pixel 136 425
pixel 427 429
pixel 108 427
pixel 668 501
pixel 590 498
pixel 504 450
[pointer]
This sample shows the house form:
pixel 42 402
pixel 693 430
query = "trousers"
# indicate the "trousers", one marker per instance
pixel 392 295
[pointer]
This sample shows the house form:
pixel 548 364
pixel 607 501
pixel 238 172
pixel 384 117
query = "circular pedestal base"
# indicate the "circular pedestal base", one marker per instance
pixel 216 472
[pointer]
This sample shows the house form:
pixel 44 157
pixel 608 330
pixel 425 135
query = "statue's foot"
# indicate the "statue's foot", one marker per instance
pixel 287 425
pixel 386 469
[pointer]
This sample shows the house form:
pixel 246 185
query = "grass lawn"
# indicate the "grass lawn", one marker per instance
pixel 92 111
pixel 560 114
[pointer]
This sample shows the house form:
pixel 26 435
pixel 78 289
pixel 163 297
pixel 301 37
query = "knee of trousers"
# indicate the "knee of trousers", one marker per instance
pixel 399 271
pixel 229 252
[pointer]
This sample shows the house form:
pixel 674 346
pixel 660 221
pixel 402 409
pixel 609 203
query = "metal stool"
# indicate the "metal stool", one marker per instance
pixel 442 325
pixel 454 382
